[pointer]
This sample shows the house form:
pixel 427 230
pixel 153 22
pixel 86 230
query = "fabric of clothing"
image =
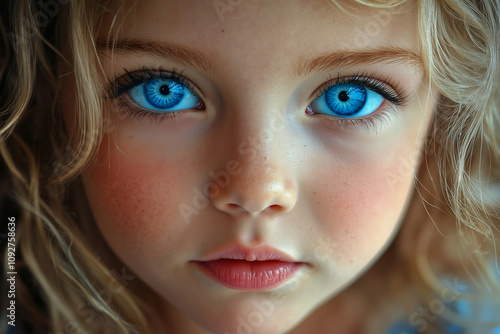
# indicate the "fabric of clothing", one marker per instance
pixel 481 313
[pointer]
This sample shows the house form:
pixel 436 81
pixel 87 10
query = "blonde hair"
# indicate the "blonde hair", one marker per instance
pixel 460 43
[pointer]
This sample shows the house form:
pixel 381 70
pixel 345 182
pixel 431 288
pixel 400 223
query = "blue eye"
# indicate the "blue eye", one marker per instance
pixel 347 100
pixel 164 95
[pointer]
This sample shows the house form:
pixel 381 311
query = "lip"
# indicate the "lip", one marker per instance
pixel 253 269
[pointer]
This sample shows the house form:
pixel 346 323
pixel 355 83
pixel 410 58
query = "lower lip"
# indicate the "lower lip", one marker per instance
pixel 249 275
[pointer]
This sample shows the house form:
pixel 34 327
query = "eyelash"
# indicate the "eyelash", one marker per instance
pixel 383 86
pixel 121 85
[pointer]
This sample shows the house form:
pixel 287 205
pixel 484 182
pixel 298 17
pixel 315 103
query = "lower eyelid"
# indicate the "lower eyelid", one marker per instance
pixel 126 105
pixel 371 123
pixel 127 109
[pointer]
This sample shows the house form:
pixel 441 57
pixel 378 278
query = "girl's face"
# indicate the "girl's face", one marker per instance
pixel 287 166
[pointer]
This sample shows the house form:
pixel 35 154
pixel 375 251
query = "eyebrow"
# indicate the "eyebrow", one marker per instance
pixel 187 56
pixel 340 59
pixel 177 53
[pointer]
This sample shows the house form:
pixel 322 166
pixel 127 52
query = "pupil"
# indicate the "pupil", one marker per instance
pixel 343 96
pixel 164 90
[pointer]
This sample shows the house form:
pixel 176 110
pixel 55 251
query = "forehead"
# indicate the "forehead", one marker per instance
pixel 262 33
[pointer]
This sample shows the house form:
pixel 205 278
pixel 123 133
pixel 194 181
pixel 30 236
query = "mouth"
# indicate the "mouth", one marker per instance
pixel 255 269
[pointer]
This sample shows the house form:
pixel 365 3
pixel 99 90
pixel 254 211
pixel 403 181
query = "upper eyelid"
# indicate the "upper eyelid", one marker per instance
pixel 364 79
pixel 358 78
pixel 150 74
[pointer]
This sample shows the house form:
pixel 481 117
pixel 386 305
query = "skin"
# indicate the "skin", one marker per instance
pixel 330 196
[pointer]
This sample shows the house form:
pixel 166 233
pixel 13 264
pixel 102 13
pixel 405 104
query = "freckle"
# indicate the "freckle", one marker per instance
pixel 223 30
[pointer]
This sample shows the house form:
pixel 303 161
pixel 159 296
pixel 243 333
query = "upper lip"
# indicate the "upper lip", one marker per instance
pixel 239 252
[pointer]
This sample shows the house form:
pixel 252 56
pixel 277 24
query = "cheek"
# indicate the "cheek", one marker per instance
pixel 132 198
pixel 363 203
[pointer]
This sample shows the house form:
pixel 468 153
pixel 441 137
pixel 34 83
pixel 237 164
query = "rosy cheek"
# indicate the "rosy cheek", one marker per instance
pixel 361 205
pixel 130 195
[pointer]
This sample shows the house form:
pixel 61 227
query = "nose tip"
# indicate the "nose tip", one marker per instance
pixel 270 195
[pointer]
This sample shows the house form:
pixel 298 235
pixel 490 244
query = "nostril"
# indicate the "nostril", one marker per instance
pixel 276 207
pixel 232 206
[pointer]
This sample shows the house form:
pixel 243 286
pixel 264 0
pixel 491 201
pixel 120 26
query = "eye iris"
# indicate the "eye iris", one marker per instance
pixel 163 93
pixel 346 99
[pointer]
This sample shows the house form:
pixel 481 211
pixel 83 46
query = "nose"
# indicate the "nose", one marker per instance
pixel 258 188
pixel 262 183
